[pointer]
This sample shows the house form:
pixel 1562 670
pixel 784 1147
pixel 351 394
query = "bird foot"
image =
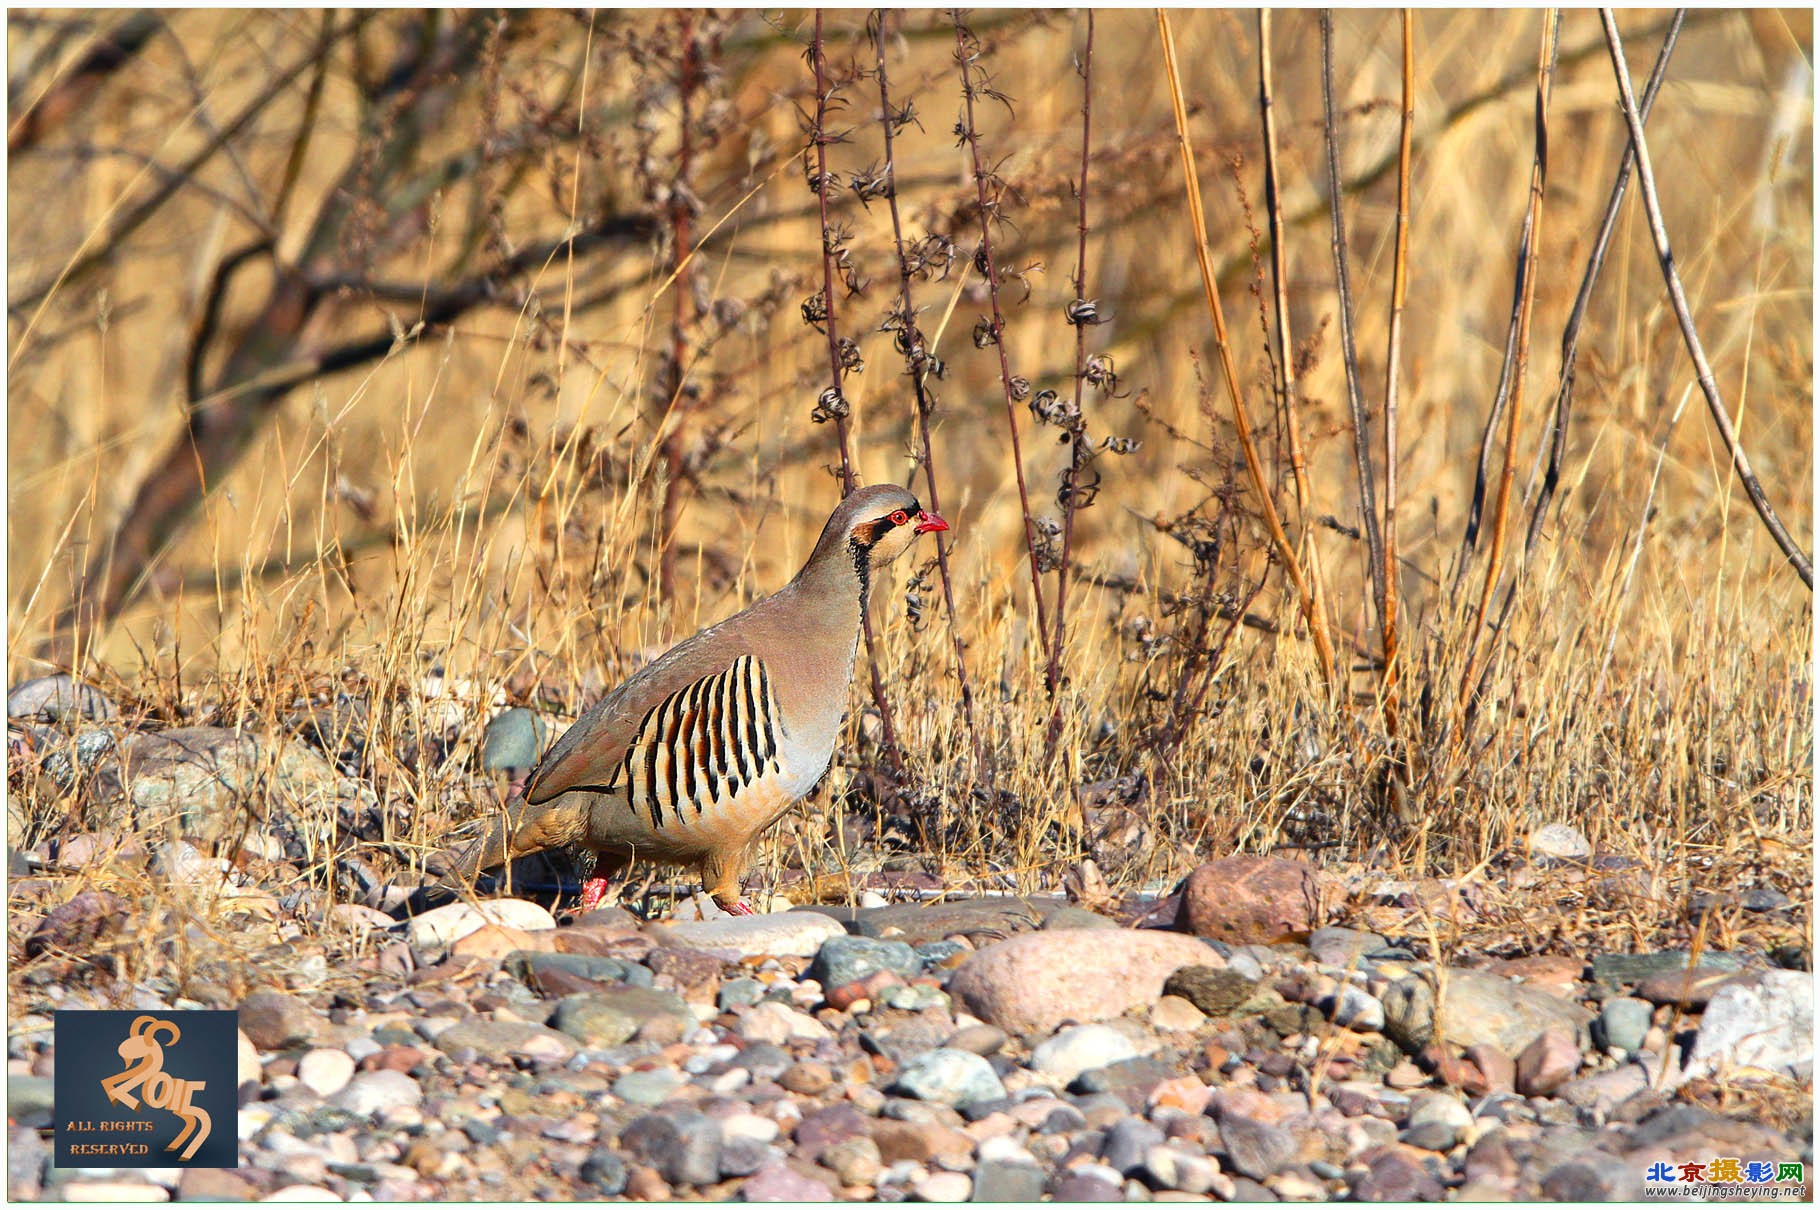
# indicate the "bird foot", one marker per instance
pixel 592 892
pixel 738 907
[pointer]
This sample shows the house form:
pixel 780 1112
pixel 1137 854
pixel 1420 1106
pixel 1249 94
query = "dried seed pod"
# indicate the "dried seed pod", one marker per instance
pixel 1085 311
pixel 831 405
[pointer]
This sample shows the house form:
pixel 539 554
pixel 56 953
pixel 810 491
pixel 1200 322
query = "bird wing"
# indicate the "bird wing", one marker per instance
pixel 593 754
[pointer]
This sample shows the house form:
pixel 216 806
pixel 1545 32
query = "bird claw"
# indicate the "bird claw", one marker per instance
pixel 739 908
pixel 592 892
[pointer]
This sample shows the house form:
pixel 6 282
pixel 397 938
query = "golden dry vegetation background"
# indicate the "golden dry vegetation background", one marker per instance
pixel 486 494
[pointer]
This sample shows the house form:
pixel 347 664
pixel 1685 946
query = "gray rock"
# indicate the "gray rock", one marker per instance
pixel 742 1155
pixel 777 934
pixel 1481 1008
pixel 1615 969
pixel 527 963
pixel 1216 991
pixel 496 1040
pixel 610 1017
pixel 949 1077
pixel 27 1156
pixel 979 920
pixel 763 1060
pixel 1592 1176
pixel 1127 1145
pixel 1355 1008
pixel 59 698
pixel 1007 1181
pixel 1392 1176
pixel 1172 1167
pixel 28 1100
pixel 1255 1148
pixel 605 1171
pixel 737 992
pixel 1071 917
pixel 843 960
pixel 373 1092
pixel 1080 1048
pixel 1344 947
pixel 1561 842
pixel 1623 1022
pixel 986 1040
pixel 514 740
pixel 1078 1185
pixel 652 1087
pixel 683 1146
pixel 276 1020
pixel 1768 1025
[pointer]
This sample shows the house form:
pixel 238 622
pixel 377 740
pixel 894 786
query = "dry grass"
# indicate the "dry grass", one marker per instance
pixel 487 499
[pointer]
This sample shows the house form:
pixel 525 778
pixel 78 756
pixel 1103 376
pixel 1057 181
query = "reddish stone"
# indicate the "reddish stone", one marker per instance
pixel 1251 900
pixel 1499 1074
pixel 1547 1063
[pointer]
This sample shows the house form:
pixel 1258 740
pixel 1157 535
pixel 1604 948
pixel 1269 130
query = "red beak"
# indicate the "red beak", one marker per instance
pixel 928 522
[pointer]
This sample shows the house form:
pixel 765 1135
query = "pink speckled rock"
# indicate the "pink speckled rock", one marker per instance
pixel 1033 983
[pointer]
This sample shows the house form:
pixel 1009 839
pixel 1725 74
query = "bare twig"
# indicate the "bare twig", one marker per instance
pixel 1279 269
pixel 1526 272
pixel 70 92
pixel 966 54
pixel 1077 445
pixel 1317 623
pixel 1349 355
pixel 1646 180
pixel 918 359
pixel 1387 581
pixel 834 401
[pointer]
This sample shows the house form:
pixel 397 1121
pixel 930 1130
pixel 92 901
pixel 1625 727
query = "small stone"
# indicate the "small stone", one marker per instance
pixel 535 968
pixel 646 1184
pixel 1186 1093
pixel 1623 1023
pixel 1559 841
pixel 605 1171
pixel 1547 1063
pixel 949 1077
pixel 1127 1144
pixel 1177 1014
pixel 325 1071
pixel 1481 1007
pixel 59 698
pixel 943 1187
pixel 497 1040
pixel 684 1146
pixel 1405 1075
pixel 376 1092
pixel 1008 1180
pixel 985 1040
pixel 855 1161
pixel 275 1020
pixel 1080 1185
pixel 1215 991
pixel 1172 1167
pixel 1441 1120
pixel 736 993
pixel 1079 1049
pixel 1690 990
pixel 29 1100
pixel 1345 947
pixel 770 1021
pixel 842 960
pixel 1497 1069
pixel 1355 1008
pixel 1395 1174
pixel 1033 983
pixel 1255 1148
pixel 439 928
pixel 514 740
pixel 1766 1024
pixel 778 1182
pixel 648 1088
pixel 809 1078
pixel 1245 899
pixel 775 934
pixel 916 1142
pixel 614 1015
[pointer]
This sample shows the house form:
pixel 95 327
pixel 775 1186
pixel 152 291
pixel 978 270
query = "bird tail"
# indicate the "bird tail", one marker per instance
pixel 524 828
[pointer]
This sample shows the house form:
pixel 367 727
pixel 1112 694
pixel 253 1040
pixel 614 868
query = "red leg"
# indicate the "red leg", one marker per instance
pixel 592 892
pixel 739 907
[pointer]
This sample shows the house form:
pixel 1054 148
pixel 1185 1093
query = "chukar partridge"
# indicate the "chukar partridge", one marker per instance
pixel 690 760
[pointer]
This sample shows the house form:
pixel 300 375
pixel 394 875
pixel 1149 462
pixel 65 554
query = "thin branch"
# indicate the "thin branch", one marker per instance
pixel 918 357
pixel 1646 180
pixel 834 401
pixel 1077 445
pixel 966 56
pixel 1387 580
pixel 71 92
pixel 1279 269
pixel 1526 272
pixel 1317 624
pixel 1349 354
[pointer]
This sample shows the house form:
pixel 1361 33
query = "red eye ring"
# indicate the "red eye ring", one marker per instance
pixel 899 517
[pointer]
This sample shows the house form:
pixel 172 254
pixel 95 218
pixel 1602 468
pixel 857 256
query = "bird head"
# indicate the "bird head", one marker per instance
pixel 880 522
